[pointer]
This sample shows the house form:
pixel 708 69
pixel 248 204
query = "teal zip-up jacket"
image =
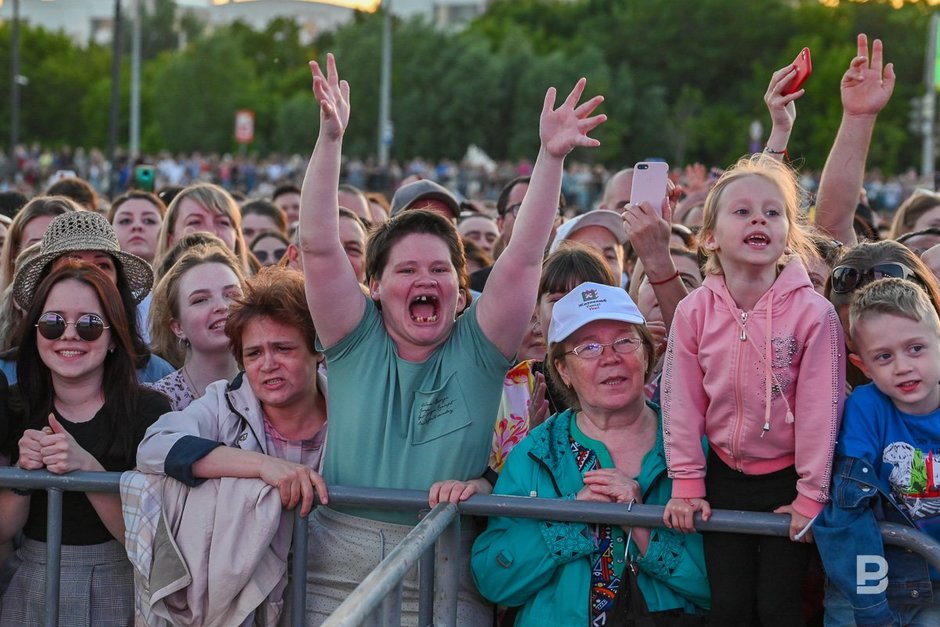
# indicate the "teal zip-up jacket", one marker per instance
pixel 545 567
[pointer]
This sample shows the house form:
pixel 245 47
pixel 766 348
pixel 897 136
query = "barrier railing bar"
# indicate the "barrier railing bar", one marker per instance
pixel 298 607
pixel 387 575
pixel 524 507
pixel 78 481
pixel 447 571
pixel 53 554
pixel 426 588
pixel 391 607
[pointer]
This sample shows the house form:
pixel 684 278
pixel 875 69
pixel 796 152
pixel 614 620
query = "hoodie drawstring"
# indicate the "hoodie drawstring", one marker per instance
pixel 768 372
pixel 770 379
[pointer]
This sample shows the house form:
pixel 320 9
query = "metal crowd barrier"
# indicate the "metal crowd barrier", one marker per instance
pixel 377 600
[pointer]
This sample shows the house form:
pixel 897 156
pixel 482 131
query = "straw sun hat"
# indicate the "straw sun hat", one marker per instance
pixel 80 231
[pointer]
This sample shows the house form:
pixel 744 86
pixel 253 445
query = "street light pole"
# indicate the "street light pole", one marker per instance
pixel 115 98
pixel 930 98
pixel 15 82
pixel 385 86
pixel 134 143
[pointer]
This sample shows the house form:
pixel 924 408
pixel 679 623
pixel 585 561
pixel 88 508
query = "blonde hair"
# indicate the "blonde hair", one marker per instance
pixel 784 178
pixel 897 297
pixel 910 211
pixel 165 306
pixel 10 312
pixel 217 201
pixel 37 207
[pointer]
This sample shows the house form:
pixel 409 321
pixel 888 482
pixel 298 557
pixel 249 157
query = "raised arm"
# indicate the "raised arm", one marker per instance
pixel 505 308
pixel 866 88
pixel 333 293
pixel 649 234
pixel 782 110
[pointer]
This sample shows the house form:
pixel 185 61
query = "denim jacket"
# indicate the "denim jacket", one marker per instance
pixel 848 527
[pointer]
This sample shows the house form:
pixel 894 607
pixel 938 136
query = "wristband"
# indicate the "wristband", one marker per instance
pixel 490 476
pixel 771 151
pixel 666 280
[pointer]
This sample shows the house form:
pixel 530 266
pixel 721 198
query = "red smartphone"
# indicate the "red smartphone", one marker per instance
pixel 804 67
pixel 649 184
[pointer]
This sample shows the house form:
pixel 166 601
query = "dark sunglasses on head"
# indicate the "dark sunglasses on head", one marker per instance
pixel 89 327
pixel 262 255
pixel 846 279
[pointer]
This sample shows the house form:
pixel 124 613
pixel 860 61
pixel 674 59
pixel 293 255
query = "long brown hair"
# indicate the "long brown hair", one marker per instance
pixel 120 386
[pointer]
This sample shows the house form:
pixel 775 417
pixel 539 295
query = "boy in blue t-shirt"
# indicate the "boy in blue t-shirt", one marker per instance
pixel 887 463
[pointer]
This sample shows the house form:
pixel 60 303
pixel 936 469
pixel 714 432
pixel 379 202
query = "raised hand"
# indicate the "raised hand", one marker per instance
pixel 538 403
pixel 649 232
pixel 867 85
pixel 62 454
pixel 333 96
pixel 566 127
pixel 782 107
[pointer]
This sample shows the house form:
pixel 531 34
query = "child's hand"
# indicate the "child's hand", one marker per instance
pixel 680 513
pixel 333 96
pixel 798 523
pixel 567 127
pixel 782 107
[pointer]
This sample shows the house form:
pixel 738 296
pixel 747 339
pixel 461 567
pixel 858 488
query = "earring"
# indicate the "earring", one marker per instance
pixel 111 350
pixel 183 342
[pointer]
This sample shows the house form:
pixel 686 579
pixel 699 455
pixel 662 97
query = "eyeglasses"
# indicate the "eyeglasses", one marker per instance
pixel 593 350
pixel 846 279
pixel 276 255
pixel 89 327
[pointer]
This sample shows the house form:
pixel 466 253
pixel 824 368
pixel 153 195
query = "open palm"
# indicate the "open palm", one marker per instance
pixel 333 96
pixel 567 127
pixel 868 83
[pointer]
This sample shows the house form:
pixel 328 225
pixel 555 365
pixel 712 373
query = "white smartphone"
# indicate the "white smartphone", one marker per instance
pixel 649 184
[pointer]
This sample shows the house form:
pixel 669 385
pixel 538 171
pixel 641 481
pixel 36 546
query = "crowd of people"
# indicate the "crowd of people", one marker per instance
pixel 716 349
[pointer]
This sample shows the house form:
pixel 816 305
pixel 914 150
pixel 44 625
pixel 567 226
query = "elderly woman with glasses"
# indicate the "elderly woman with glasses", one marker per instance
pixel 867 262
pixel 607 447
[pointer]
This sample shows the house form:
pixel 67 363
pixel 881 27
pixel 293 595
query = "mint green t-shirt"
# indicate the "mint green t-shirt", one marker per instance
pixel 400 424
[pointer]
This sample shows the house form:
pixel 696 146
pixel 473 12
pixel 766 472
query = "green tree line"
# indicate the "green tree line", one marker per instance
pixel 683 79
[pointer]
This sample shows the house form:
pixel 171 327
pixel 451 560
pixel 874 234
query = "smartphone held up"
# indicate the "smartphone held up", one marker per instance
pixel 804 67
pixel 649 184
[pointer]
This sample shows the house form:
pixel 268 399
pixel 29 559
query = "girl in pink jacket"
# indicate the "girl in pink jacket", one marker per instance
pixel 754 364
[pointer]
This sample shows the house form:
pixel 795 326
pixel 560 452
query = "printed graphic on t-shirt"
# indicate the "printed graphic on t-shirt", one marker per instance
pixel 915 482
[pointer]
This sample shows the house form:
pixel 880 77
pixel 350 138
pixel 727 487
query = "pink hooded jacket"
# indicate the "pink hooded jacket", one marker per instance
pixel 724 373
